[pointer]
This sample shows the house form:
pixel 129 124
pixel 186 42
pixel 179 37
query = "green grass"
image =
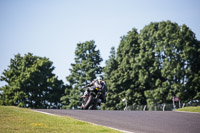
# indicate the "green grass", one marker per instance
pixel 190 109
pixel 20 120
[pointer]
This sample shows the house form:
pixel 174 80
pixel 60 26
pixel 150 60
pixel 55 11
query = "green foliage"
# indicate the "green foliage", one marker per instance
pixel 111 65
pixel 31 83
pixel 123 74
pixel 150 67
pixel 173 50
pixel 153 66
pixel 84 70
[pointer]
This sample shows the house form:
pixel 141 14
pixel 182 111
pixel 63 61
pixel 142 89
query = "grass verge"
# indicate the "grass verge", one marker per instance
pixel 20 120
pixel 190 109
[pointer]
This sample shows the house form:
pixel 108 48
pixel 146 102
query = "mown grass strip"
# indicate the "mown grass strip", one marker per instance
pixel 20 120
pixel 190 109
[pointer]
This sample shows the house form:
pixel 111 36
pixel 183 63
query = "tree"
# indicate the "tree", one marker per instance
pixel 169 53
pixel 123 77
pixel 84 70
pixel 111 65
pixel 31 83
pixel 154 66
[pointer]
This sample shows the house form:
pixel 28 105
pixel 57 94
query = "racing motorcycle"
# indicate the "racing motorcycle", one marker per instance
pixel 93 100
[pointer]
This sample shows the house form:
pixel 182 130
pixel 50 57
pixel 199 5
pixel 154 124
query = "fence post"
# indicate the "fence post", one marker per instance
pixel 144 108
pixel 173 103
pixel 124 100
pixel 183 105
pixel 163 107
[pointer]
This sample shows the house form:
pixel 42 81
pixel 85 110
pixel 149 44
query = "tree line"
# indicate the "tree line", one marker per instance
pixel 149 67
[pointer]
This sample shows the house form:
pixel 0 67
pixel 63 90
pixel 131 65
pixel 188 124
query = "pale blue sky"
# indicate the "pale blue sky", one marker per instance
pixel 52 28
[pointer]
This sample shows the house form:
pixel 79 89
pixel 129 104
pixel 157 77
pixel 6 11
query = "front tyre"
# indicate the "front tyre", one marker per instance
pixel 89 101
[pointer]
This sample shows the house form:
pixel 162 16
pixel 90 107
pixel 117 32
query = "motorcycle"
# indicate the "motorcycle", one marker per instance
pixel 93 100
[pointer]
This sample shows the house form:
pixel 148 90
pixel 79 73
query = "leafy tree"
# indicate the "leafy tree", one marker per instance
pixel 123 78
pixel 173 50
pixel 111 65
pixel 152 67
pixel 84 70
pixel 31 83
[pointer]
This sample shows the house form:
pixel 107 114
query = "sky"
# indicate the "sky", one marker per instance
pixel 52 28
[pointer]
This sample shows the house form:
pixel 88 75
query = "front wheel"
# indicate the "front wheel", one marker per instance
pixel 89 101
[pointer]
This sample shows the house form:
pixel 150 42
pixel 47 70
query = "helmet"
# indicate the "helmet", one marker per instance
pixel 99 78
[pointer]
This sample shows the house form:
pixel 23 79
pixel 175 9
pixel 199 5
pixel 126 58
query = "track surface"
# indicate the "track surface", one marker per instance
pixel 137 121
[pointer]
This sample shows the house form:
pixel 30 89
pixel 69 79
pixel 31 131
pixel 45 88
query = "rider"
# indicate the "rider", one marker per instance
pixel 100 84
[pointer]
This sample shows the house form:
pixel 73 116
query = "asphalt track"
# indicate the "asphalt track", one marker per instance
pixel 137 121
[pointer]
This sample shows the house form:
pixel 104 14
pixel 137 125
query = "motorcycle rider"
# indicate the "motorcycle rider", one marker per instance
pixel 97 83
